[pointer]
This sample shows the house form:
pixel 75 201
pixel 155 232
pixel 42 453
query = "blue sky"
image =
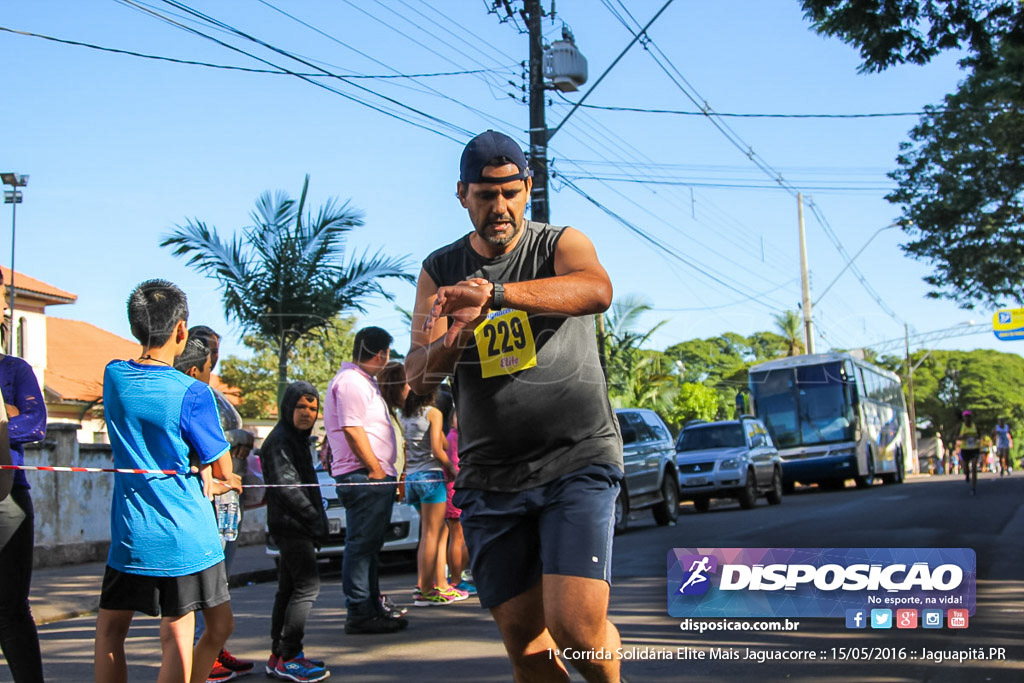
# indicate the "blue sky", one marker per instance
pixel 120 149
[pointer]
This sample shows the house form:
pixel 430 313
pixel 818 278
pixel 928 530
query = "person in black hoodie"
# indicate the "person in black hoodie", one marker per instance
pixel 297 521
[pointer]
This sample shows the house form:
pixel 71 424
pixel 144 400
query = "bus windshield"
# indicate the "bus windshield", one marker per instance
pixel 806 405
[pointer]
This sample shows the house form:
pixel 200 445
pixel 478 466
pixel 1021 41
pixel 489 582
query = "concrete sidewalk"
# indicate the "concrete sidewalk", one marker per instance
pixel 60 593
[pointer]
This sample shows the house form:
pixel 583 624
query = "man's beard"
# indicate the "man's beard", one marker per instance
pixel 505 239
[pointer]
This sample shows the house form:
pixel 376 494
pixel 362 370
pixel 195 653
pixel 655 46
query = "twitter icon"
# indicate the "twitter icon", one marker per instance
pixel 881 618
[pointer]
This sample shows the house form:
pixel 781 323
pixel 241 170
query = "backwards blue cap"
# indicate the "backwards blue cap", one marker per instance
pixel 485 147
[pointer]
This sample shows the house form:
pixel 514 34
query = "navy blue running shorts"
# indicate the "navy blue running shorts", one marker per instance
pixel 563 527
pixel 164 596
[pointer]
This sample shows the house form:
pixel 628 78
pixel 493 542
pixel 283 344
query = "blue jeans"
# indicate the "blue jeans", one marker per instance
pixel 367 514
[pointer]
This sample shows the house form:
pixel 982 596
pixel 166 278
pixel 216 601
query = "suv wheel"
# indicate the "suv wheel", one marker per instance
pixel 667 511
pixel 774 496
pixel 621 512
pixel 748 494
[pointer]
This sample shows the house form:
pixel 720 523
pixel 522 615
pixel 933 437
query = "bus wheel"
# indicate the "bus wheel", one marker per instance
pixel 897 476
pixel 866 480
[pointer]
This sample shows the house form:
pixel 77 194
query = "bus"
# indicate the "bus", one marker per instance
pixel 833 417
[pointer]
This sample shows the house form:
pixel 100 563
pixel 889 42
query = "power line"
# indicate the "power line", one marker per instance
pixel 661 247
pixel 691 93
pixel 699 183
pixel 849 261
pixel 683 112
pixel 639 174
pixel 229 67
pixel 318 84
pixel 425 87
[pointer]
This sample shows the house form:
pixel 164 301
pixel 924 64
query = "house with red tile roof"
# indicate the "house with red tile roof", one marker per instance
pixel 68 356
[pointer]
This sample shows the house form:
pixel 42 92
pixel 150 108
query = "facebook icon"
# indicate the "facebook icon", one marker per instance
pixel 855 618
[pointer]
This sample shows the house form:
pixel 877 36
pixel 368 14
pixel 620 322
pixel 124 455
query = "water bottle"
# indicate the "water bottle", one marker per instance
pixel 227 515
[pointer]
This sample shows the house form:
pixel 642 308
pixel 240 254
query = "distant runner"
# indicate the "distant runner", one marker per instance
pixel 1004 442
pixel 970 448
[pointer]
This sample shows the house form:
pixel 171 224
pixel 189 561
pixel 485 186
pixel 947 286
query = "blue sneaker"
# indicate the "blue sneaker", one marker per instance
pixel 300 670
pixel 467 587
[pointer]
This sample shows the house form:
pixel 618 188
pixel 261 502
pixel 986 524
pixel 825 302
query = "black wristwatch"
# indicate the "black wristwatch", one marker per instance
pixel 497 296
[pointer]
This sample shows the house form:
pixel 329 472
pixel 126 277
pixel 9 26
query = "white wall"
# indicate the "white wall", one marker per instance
pixel 72 510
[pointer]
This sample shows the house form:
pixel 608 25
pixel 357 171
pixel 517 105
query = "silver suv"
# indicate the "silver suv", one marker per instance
pixel 729 459
pixel 650 470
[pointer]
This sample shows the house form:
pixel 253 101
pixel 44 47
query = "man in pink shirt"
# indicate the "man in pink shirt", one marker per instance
pixel 363 445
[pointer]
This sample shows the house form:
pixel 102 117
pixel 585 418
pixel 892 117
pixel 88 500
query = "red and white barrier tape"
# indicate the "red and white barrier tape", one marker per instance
pixel 122 470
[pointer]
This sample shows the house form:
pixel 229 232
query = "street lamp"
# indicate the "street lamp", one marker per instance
pixel 13 197
pixel 854 257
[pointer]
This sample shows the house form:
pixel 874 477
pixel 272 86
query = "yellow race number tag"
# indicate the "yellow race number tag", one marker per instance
pixel 505 343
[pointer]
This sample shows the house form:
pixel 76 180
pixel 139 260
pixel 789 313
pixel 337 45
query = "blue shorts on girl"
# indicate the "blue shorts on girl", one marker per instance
pixel 425 487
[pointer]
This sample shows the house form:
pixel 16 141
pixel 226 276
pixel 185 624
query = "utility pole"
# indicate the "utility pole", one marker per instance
pixel 912 408
pixel 804 282
pixel 538 127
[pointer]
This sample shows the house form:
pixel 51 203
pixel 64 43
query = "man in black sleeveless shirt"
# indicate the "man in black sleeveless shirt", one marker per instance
pixel 508 310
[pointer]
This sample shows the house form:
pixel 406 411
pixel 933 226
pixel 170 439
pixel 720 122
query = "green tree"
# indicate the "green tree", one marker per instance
pixel 960 178
pixel 694 402
pixel 960 183
pixel 989 383
pixel 706 360
pixel 790 326
pixel 626 361
pixel 314 358
pixel 287 275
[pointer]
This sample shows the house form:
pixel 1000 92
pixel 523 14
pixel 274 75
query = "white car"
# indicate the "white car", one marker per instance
pixel 402 535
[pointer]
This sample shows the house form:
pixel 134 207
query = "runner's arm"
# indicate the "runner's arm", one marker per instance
pixel 580 287
pixel 6 476
pixel 429 361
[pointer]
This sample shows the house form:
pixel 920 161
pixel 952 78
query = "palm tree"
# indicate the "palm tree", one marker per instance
pixel 287 275
pixel 789 324
pixel 636 378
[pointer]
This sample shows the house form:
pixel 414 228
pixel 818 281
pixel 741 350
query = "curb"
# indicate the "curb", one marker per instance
pixel 91 606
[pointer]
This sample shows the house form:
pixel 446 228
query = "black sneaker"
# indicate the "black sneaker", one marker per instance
pixel 391 608
pixel 376 624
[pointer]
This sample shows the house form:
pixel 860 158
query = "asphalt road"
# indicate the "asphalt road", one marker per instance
pixel 460 643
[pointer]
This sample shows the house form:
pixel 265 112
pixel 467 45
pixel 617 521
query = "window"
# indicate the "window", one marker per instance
pixel 633 428
pixel 19 350
pixel 656 426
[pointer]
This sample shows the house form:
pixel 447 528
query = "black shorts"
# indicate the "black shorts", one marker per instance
pixel 564 527
pixel 969 454
pixel 164 596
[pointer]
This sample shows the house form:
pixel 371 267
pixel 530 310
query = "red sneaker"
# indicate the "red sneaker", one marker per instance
pixel 220 673
pixel 232 663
